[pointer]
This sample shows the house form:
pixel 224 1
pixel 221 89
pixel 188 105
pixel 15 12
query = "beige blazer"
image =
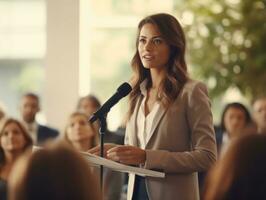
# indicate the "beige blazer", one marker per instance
pixel 181 144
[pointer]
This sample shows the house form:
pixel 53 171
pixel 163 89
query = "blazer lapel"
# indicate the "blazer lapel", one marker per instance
pixel 133 124
pixel 157 118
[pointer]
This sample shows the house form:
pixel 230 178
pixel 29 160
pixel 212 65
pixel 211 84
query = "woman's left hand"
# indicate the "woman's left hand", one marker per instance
pixel 129 155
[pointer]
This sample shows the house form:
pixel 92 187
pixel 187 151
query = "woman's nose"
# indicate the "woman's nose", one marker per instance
pixel 76 126
pixel 148 46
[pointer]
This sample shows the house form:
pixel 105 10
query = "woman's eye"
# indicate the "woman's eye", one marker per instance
pixel 5 133
pixel 141 41
pixel 157 41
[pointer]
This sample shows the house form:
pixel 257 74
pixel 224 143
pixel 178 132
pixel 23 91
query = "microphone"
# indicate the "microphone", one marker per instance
pixel 122 91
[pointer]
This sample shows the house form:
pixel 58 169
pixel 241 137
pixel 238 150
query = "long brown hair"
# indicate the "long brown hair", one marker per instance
pixel 22 129
pixel 55 172
pixel 176 73
pixel 240 174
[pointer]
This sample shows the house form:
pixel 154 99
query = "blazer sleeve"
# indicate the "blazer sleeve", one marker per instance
pixel 203 153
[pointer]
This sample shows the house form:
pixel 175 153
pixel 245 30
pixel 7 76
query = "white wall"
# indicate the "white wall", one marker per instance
pixel 62 61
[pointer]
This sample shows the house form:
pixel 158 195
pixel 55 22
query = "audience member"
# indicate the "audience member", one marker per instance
pixel 29 107
pixel 80 134
pixel 240 174
pixel 56 172
pixel 235 118
pixel 259 114
pixel 14 140
pixel 90 104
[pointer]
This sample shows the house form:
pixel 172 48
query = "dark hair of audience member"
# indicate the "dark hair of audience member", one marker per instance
pixel 23 131
pixel 32 95
pixel 240 174
pixel 236 106
pixel 90 98
pixel 56 172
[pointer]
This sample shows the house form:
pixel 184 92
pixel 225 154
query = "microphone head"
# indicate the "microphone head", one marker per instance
pixel 124 89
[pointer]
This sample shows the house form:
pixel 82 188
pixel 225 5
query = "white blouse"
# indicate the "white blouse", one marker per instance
pixel 144 124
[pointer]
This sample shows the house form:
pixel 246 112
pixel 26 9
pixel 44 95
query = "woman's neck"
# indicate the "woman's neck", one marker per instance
pixel 83 145
pixel 10 157
pixel 156 77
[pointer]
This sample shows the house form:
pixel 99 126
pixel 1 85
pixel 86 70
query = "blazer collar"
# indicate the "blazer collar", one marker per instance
pixel 133 124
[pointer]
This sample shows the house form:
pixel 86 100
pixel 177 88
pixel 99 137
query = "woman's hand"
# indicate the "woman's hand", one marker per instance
pixel 129 155
pixel 97 150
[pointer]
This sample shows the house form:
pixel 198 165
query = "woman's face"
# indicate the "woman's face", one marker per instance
pixel 234 121
pixel 12 139
pixel 152 48
pixel 79 129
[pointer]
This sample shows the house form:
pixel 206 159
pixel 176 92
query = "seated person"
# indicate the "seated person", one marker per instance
pixel 56 172
pixel 90 104
pixel 81 135
pixel 235 118
pixel 259 114
pixel 29 107
pixel 14 140
pixel 240 173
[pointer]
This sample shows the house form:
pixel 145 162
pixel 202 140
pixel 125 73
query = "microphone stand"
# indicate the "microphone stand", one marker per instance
pixel 102 131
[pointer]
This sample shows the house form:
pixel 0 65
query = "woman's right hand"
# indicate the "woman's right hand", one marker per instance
pixel 96 150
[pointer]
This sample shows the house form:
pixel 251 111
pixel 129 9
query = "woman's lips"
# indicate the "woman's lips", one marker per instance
pixel 148 57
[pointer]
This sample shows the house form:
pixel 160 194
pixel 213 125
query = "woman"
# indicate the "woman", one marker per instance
pixel 79 133
pixel 55 172
pixel 169 127
pixel 14 140
pixel 235 118
pixel 240 173
pixel 88 105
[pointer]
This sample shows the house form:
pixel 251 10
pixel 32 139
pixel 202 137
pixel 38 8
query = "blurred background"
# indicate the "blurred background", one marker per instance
pixel 65 49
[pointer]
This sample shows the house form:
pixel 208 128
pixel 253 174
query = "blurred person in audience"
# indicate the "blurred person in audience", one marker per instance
pixel 259 114
pixel 56 172
pixel 90 104
pixel 14 140
pixel 240 174
pixel 29 107
pixel 235 118
pixel 170 125
pixel 112 180
pixel 80 134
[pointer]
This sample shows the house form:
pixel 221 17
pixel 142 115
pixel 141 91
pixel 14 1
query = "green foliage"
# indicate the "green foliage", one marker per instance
pixel 227 43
